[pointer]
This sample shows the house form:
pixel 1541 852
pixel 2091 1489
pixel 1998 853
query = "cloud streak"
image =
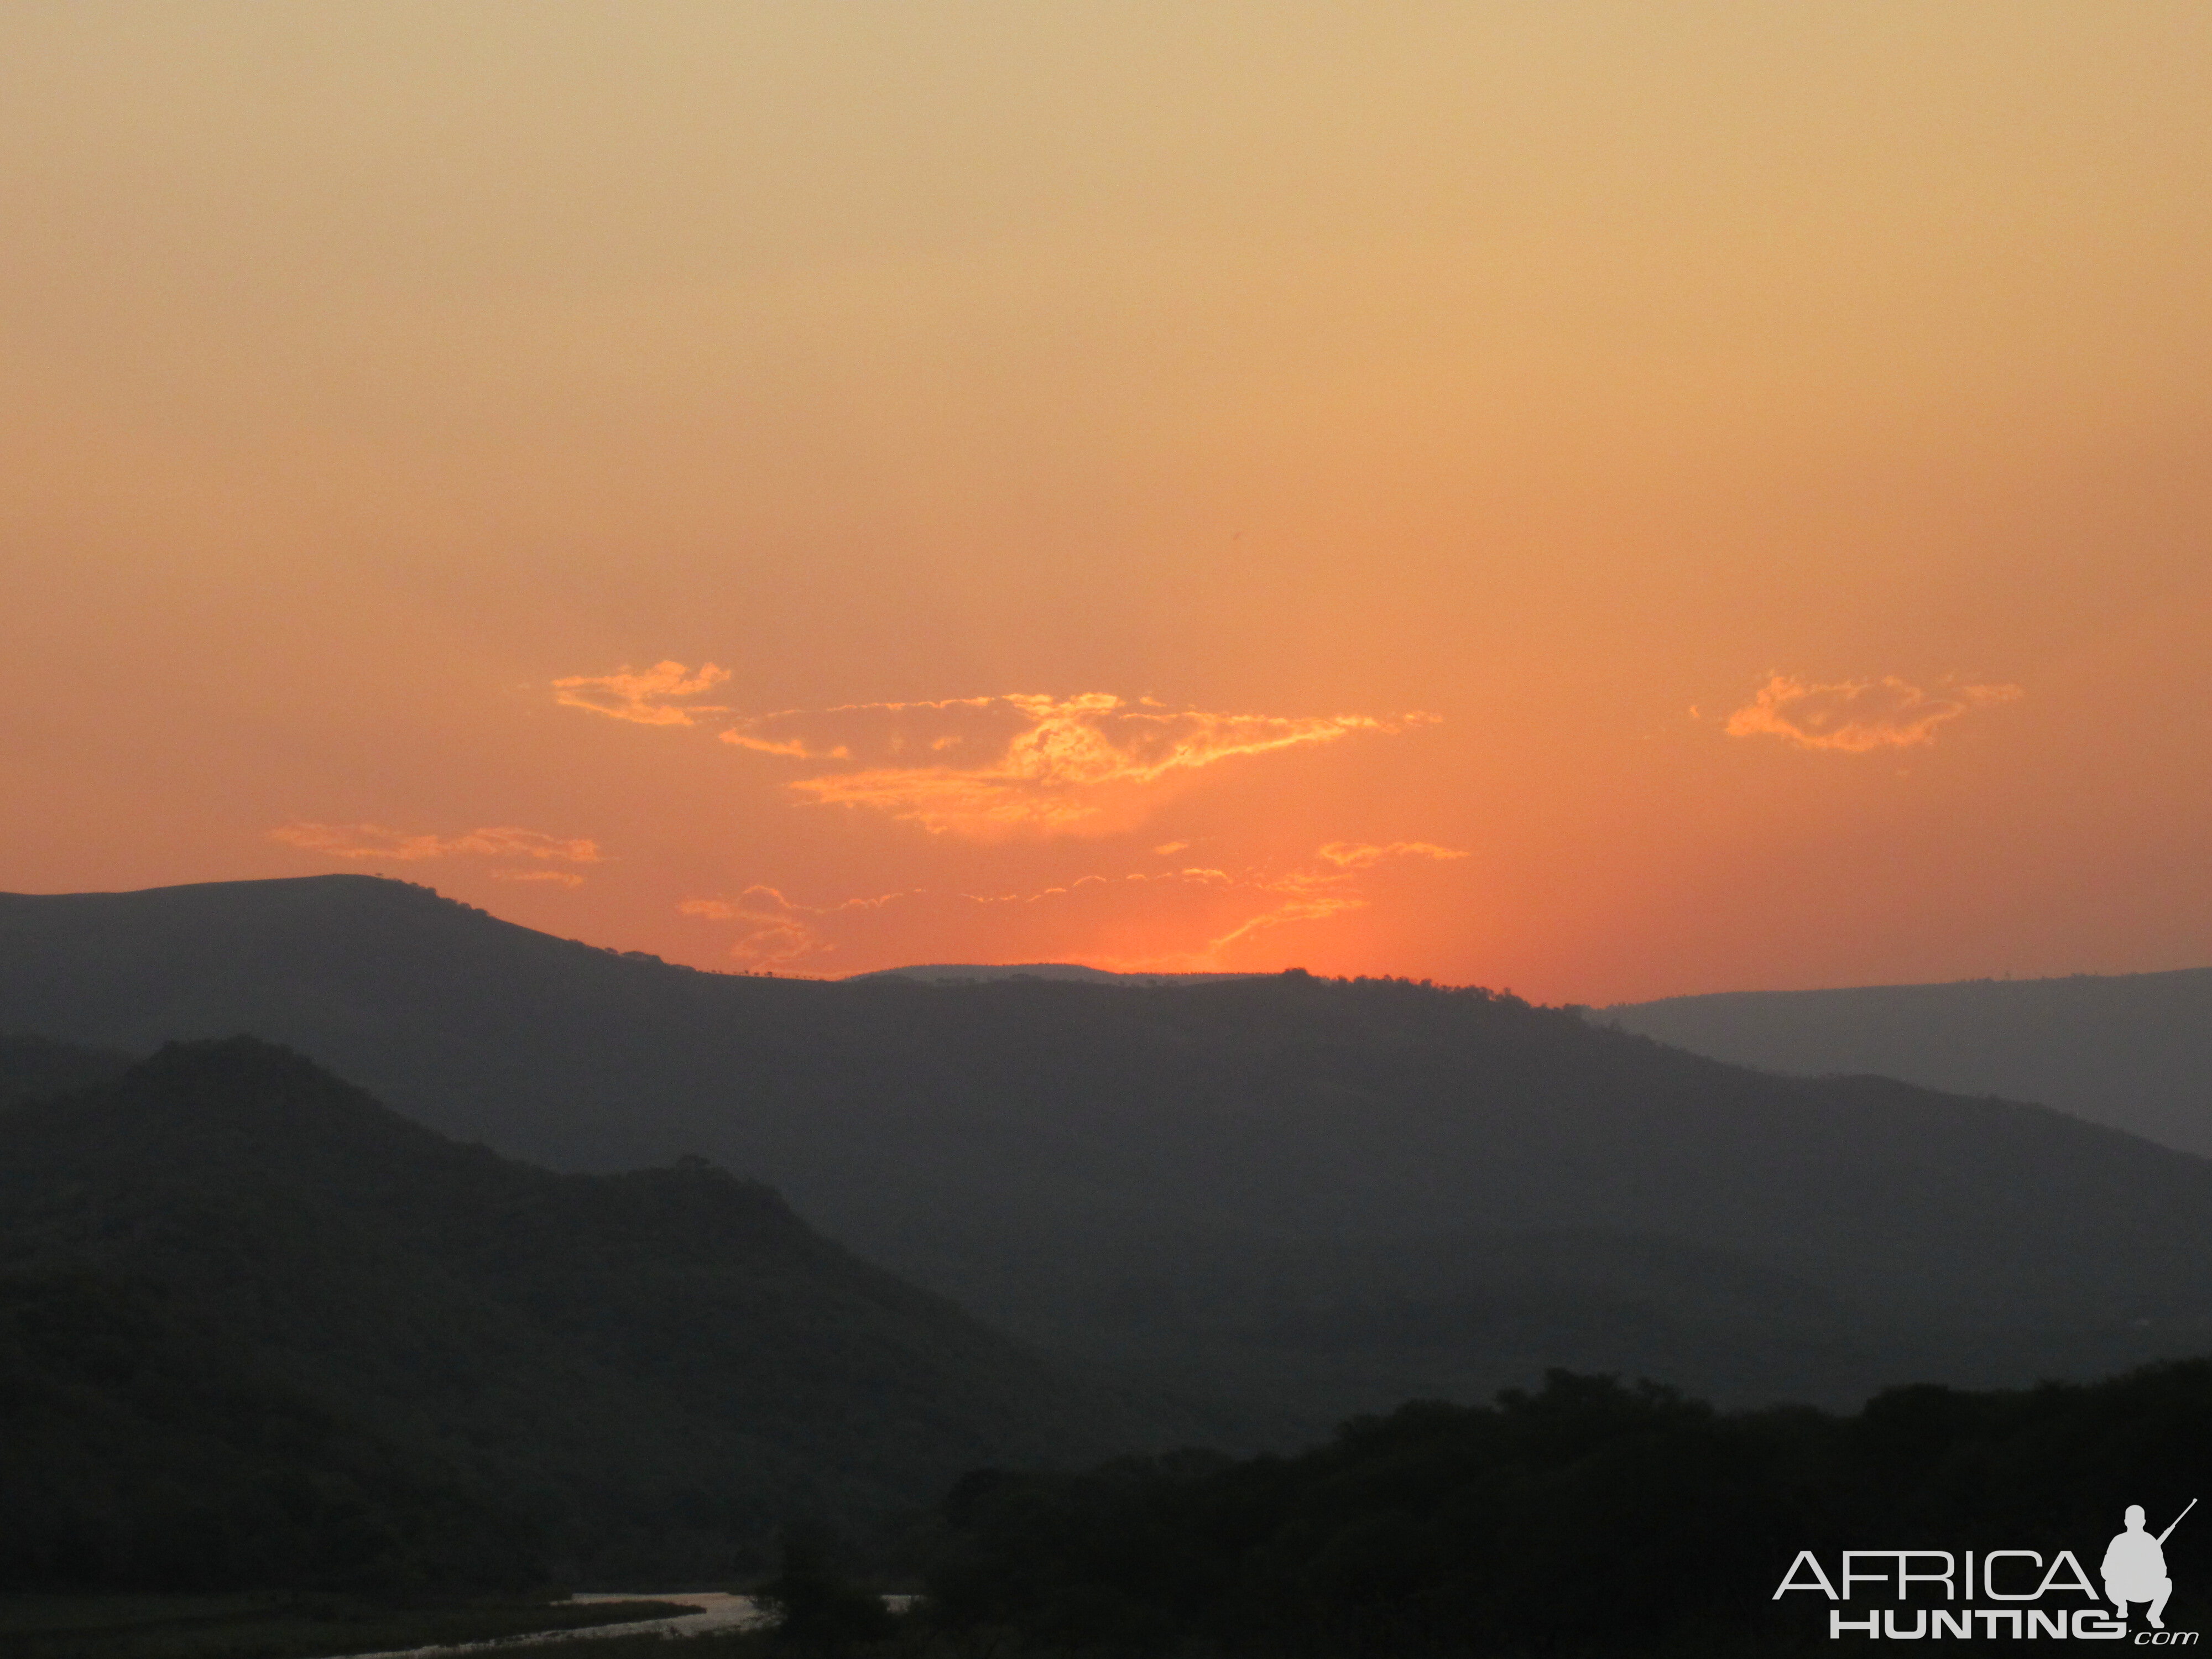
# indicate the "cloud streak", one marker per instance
pixel 778 930
pixel 379 841
pixel 661 696
pixel 1858 717
pixel 1167 919
pixel 1365 855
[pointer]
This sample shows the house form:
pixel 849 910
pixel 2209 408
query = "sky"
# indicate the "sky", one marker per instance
pixel 1605 500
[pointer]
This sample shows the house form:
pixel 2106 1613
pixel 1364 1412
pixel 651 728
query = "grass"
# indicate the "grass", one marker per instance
pixel 278 1626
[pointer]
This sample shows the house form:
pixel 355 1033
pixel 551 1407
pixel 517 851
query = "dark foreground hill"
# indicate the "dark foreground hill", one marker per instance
pixel 1302 1197
pixel 2130 1050
pixel 1587 1519
pixel 256 1329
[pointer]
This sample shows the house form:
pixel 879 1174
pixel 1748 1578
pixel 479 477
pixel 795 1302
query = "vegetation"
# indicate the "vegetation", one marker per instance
pixel 1583 1518
pixel 257 1331
pixel 818 1609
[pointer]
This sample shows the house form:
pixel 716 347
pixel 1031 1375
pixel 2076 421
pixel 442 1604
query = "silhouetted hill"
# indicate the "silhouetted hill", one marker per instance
pixel 2130 1050
pixel 1306 1197
pixel 253 1326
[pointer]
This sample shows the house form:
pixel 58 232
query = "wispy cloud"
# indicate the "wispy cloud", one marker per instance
pixel 1158 920
pixel 381 842
pixel 661 696
pixel 1365 855
pixel 777 930
pixel 1858 717
pixel 985 768
pixel 979 768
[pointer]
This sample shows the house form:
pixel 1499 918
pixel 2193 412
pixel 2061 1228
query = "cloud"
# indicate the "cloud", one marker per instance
pixel 1858 717
pixel 1299 895
pixel 981 768
pixel 1157 920
pixel 658 697
pixel 1316 892
pixel 379 842
pixel 1365 855
pixel 777 929
pixel 792 747
pixel 986 768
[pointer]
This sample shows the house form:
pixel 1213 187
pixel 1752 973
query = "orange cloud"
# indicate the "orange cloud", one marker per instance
pixel 1858 717
pixel 1364 855
pixel 1312 893
pixel 984 768
pixel 1157 920
pixel 375 841
pixel 778 930
pixel 1301 895
pixel 791 747
pixel 656 697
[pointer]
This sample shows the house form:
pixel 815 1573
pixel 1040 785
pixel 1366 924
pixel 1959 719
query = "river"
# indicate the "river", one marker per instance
pixel 717 1610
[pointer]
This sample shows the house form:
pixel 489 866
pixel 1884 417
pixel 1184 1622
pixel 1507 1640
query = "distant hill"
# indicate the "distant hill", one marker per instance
pixel 954 974
pixel 2130 1050
pixel 256 1329
pixel 1280 1199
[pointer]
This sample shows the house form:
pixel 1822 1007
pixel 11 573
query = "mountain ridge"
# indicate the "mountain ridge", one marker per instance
pixel 2132 1051
pixel 1282 1200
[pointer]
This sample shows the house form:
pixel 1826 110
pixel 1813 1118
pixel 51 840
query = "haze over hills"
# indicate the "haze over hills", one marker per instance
pixel 1286 1197
pixel 2130 1050
pixel 255 1328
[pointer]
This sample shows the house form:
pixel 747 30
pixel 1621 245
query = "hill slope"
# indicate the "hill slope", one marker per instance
pixel 2130 1050
pixel 1309 1197
pixel 646 1371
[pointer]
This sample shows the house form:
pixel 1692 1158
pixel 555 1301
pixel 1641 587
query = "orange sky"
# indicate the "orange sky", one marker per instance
pixel 1607 499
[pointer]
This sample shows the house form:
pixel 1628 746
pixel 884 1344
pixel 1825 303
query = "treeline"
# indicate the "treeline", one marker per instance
pixel 1585 1518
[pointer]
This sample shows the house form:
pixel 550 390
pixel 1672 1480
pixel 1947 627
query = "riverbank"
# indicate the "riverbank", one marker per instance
pixel 296 1627
pixel 703 1612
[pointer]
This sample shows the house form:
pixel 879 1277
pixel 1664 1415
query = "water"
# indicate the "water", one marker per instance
pixel 717 1610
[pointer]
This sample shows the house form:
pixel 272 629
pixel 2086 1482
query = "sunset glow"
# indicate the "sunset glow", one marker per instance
pixel 1606 500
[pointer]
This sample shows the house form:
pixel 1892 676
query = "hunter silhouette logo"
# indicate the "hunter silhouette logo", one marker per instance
pixel 2135 1566
pixel 2020 1582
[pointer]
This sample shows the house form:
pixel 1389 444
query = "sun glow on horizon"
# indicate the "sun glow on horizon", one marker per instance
pixel 841 486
